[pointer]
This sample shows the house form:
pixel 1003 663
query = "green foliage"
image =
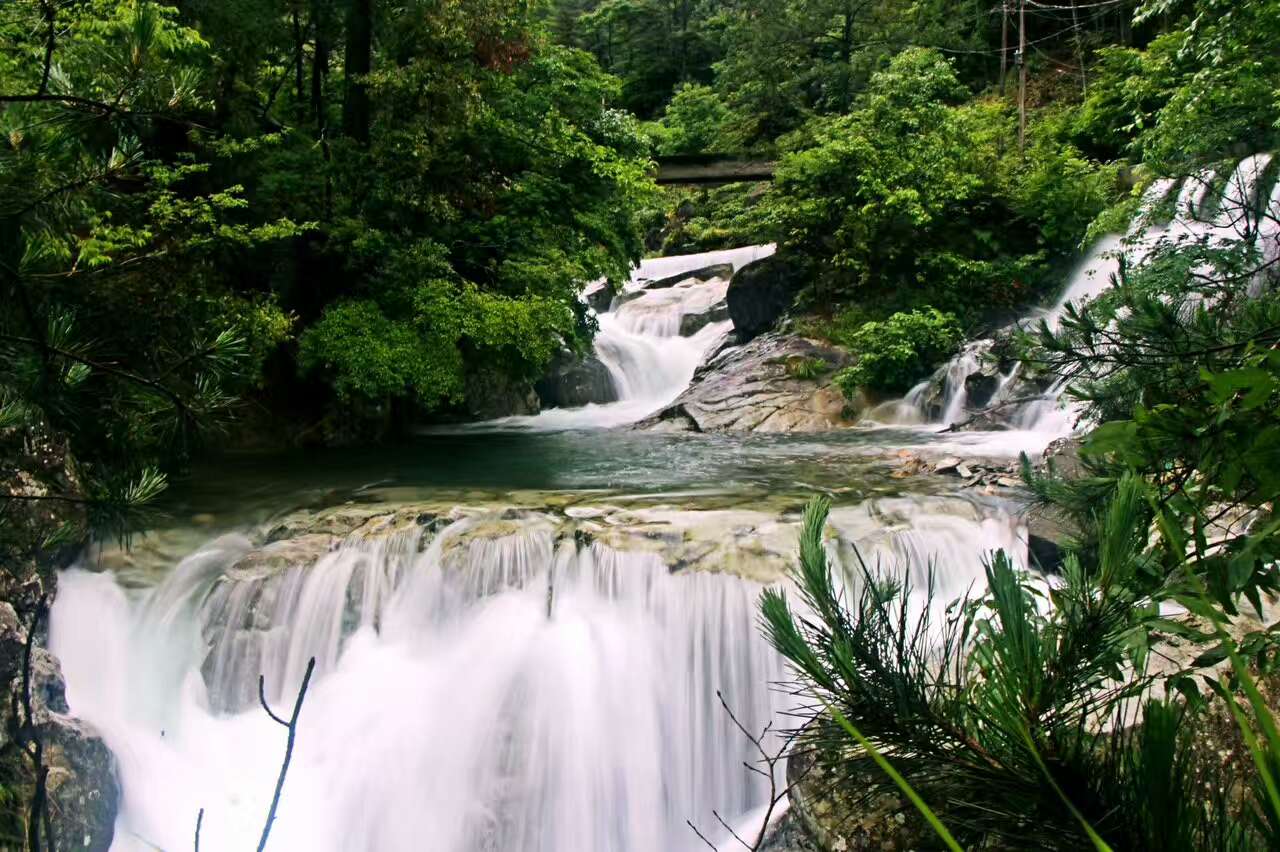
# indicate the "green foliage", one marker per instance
pixel 807 369
pixel 420 351
pixel 1010 718
pixel 908 199
pixel 1200 91
pixel 895 354
pixel 173 191
pixel 1179 361
pixel 693 121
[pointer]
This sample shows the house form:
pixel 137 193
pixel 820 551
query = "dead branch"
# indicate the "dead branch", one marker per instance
pixel 292 725
pixel 766 766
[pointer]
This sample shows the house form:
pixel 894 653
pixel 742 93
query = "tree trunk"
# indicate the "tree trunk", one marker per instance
pixel 298 59
pixel 319 66
pixel 355 103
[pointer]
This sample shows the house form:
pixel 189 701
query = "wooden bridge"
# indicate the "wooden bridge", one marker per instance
pixel 711 169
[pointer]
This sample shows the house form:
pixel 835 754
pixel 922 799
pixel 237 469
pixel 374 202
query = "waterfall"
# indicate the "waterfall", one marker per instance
pixel 1204 209
pixel 641 343
pixel 491 684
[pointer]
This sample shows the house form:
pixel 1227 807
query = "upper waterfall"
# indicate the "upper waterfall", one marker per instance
pixel 646 344
pixel 1207 206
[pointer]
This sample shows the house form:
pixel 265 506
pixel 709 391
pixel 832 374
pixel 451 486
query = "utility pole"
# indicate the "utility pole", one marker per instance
pixel 1004 44
pixel 1022 75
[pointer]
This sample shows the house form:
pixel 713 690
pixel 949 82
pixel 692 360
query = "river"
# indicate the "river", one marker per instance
pixel 520 627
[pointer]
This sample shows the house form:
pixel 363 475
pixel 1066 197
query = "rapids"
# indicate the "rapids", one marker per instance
pixel 495 681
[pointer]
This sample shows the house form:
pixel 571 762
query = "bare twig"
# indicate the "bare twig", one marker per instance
pixel 199 825
pixel 38 809
pixel 292 725
pixel 766 767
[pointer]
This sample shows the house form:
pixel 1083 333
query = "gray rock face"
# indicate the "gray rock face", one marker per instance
pixel 598 295
pixel 706 273
pixel 692 323
pixel 748 389
pixel 574 380
pixel 761 292
pixel 491 395
pixel 980 387
pixel 81 784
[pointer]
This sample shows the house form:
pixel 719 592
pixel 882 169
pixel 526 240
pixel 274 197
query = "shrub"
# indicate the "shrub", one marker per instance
pixel 897 353
pixel 807 369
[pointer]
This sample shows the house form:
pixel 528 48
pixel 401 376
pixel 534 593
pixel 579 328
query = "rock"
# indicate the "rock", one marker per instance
pixel 748 389
pixel 83 794
pixel 980 387
pixel 788 834
pixel 948 465
pixel 1048 531
pixel 761 292
pixel 1063 456
pixel 490 394
pixel 835 812
pixel 575 380
pixel 1044 555
pixel 598 295
pixel 986 420
pixel 692 323
pixel 706 273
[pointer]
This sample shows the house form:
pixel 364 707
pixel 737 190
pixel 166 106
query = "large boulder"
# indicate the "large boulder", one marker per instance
pixel 575 380
pixel 757 387
pixel 761 292
pixel 491 394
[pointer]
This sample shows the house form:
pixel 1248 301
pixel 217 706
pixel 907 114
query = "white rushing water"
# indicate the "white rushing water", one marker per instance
pixel 512 691
pixel 1204 209
pixel 640 341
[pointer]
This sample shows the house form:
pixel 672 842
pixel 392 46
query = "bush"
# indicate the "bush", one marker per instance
pixel 895 354
pixel 693 122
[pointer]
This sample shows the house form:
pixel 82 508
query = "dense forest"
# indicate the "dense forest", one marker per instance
pixel 268 223
pixel 334 219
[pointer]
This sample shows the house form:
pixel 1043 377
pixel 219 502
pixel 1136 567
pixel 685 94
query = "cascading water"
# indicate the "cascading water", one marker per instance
pixel 641 342
pixel 499 684
pixel 1240 208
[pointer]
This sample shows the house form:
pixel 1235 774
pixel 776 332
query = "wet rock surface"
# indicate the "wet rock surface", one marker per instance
pixel 761 292
pixel 834 811
pixel 749 388
pixel 574 380
pixel 80 783
pixel 491 395
pixel 722 271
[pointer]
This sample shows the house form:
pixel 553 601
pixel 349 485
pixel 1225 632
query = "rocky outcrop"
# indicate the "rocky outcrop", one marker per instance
pixel 834 811
pixel 38 737
pixel 491 394
pixel 722 271
pixel 694 321
pixel 575 380
pixel 750 388
pixel 598 295
pixel 79 772
pixel 761 292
